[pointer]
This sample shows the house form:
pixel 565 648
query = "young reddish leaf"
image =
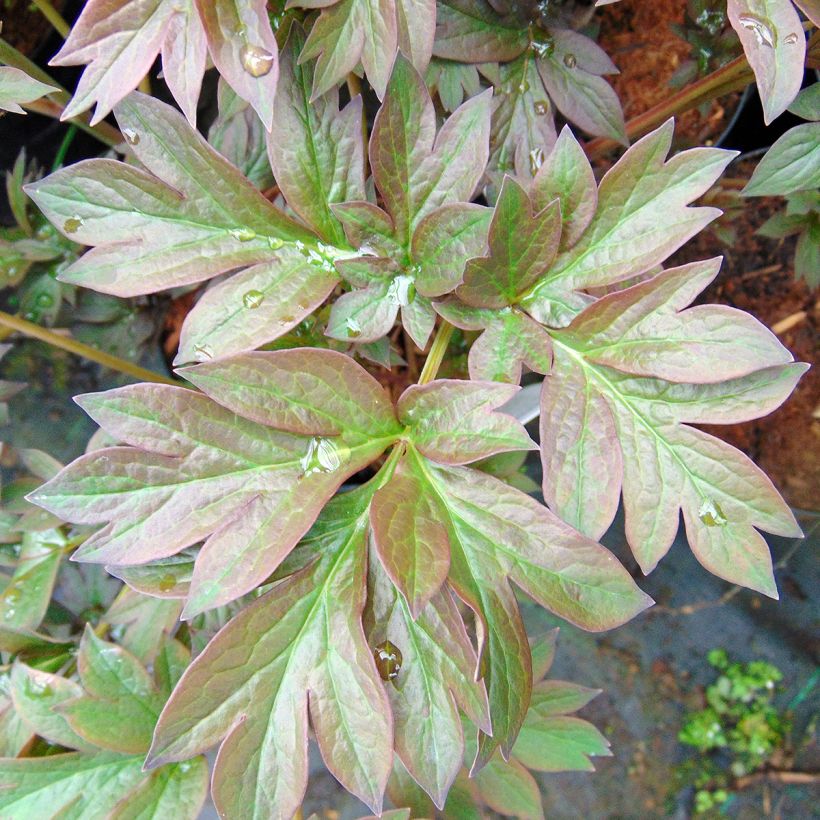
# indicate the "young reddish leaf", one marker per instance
pixel 571 71
pixel 624 429
pixel 120 703
pixel 456 422
pixel 409 535
pixel 368 314
pixel 415 170
pixel 200 472
pixel 243 48
pixel 508 788
pixel 644 330
pixel 303 390
pixel 303 643
pixel 435 679
pixel 522 247
pixel 566 175
pixel 775 46
pixel 416 21
pixel 367 227
pixel 17 87
pixel 452 82
pixel 559 744
pixel 167 578
pixel 184 56
pixel 203 219
pixel 315 150
pixel 37 696
pixel 625 237
pixel 349 31
pixel 142 622
pixel 471 31
pixel 791 164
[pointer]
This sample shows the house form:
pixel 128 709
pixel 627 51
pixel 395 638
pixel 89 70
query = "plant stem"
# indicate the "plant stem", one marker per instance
pixel 53 16
pixel 64 145
pixel 437 351
pixel 83 350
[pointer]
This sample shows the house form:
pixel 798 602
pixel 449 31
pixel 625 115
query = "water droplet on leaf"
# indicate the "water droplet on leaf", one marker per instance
pixel 243 234
pixel 353 328
pixel 711 514
pixel 131 136
pixel 253 299
pixel 202 353
pixel 73 224
pixel 323 456
pixel 544 46
pixel 541 107
pixel 791 39
pixel 536 160
pixel 402 291
pixel 570 60
pixel 44 300
pixel 37 689
pixel 523 87
pixel 388 660
pixel 256 60
pixel 762 29
pixel 167 583
pixel 274 243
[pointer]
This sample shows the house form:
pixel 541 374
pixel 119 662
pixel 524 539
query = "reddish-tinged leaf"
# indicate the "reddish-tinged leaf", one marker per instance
pixel 416 30
pixel 17 87
pixel 200 472
pixel 315 150
pixel 471 31
pixel 559 744
pixel 367 227
pixel 409 534
pixel 303 390
pixel 557 697
pixel 299 648
pixel 243 48
pixel 436 678
pixel 184 56
pixel 350 31
pixel 508 788
pixel 543 654
pixel 522 247
pixel 456 422
pixel 775 46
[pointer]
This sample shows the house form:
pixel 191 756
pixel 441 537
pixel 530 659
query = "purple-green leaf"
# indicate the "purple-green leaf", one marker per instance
pixel 16 87
pixel 559 744
pixel 471 31
pixel 791 164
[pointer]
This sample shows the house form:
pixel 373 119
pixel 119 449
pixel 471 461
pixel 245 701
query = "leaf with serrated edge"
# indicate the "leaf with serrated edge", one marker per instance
pixel 435 680
pixel 775 46
pixel 202 219
pixel 629 430
pixel 316 151
pixel 408 534
pixel 194 470
pixel 791 164
pixel 17 87
pixel 456 422
pixel 499 533
pixel 626 237
pixel 522 247
pixel 304 643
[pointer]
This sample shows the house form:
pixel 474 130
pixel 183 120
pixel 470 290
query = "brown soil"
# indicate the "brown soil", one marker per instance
pixel 636 35
pixel 758 276
pixel 24 27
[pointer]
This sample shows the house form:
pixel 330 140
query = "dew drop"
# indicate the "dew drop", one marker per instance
pixel 243 234
pixel 274 243
pixel 37 689
pixel 131 136
pixel 791 39
pixel 523 87
pixel 711 514
pixel 73 224
pixel 388 660
pixel 256 60
pixel 202 353
pixel 536 160
pixel 253 299
pixel 353 328
pixel 570 60
pixel 323 456
pixel 763 32
pixel 541 108
pixel 167 583
pixel 544 46
pixel 44 300
pixel 401 291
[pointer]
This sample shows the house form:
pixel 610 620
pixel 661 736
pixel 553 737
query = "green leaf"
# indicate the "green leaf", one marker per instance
pixel 350 31
pixel 471 31
pixel 17 87
pixel 806 104
pixel 409 536
pixel 196 471
pixel 142 622
pixel 303 390
pixel 456 422
pixel 559 744
pixel 603 430
pixel 522 247
pixel 120 704
pixel 807 255
pixel 299 648
pixel 775 46
pixel 178 790
pixel 625 237
pixel 453 82
pixel 166 578
pixel 315 150
pixel 557 697
pixel 791 164
pixel 437 677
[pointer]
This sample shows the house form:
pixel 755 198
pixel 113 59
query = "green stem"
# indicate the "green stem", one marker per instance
pixel 83 350
pixel 64 146
pixel 437 352
pixel 53 16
